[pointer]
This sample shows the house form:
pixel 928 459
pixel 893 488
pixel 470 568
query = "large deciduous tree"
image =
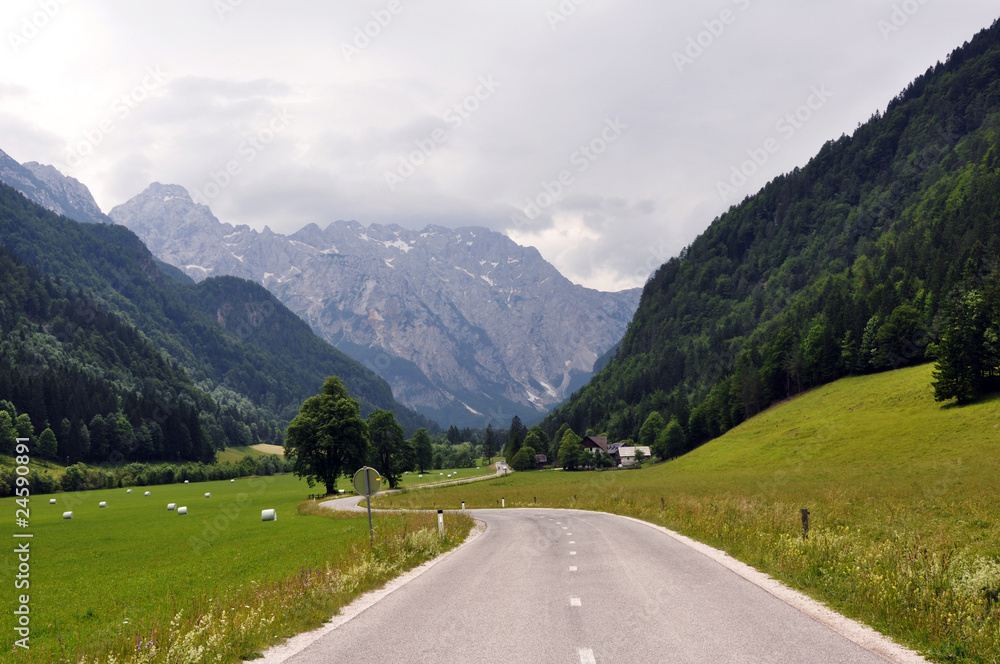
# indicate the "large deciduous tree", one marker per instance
pixel 524 459
pixel 651 428
pixel 391 454
pixel 670 442
pixel 570 451
pixel 327 438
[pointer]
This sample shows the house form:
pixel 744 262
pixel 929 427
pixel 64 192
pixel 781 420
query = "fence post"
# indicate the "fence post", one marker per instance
pixel 805 523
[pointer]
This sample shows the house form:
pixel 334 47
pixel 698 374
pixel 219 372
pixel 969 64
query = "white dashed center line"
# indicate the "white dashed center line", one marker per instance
pixel 575 601
pixel 572 568
pixel 587 656
pixel 572 542
pixel 572 553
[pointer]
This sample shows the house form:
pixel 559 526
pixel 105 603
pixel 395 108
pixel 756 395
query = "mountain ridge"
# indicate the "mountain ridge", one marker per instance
pixel 467 326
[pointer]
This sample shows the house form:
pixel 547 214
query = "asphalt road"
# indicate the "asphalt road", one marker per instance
pixel 566 586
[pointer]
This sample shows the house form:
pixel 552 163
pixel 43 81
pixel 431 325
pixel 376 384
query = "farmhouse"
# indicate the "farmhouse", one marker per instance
pixel 626 455
pixel 594 443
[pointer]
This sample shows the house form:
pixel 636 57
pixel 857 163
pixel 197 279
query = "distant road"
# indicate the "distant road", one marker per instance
pixel 552 586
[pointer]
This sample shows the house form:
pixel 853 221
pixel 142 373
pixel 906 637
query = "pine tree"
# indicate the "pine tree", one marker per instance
pixel 391 455
pixel 515 438
pixel 423 451
pixel 489 444
pixel 967 349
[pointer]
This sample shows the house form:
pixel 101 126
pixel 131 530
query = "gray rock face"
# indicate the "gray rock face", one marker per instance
pixel 51 189
pixel 467 326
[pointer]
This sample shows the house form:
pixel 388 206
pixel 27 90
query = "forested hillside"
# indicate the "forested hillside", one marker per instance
pixel 92 327
pixel 851 264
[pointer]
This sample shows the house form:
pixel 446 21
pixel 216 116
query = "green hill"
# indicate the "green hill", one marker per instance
pixel 902 493
pixel 845 266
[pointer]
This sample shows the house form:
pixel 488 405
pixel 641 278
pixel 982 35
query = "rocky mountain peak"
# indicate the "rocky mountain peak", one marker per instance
pixel 466 325
pixel 46 186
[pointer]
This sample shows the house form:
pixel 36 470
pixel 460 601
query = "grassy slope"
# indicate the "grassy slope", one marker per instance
pixel 110 576
pixel 902 491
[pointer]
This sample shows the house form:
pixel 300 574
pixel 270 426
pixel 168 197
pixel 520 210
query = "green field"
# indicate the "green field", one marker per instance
pixel 133 571
pixel 235 454
pixel 903 495
pixel 413 479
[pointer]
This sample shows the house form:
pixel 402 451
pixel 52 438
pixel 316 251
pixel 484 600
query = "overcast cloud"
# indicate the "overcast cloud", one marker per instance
pixel 608 116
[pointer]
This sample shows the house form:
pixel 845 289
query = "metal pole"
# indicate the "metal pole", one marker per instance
pixel 368 499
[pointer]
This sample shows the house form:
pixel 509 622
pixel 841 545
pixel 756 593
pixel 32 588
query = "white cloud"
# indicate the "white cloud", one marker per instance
pixel 649 194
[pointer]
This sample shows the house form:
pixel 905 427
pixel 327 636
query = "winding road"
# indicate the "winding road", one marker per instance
pixel 541 585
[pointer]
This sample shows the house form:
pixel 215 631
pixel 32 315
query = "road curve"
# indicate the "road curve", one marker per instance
pixel 551 586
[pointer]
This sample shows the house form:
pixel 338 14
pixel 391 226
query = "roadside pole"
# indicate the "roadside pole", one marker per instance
pixel 367 481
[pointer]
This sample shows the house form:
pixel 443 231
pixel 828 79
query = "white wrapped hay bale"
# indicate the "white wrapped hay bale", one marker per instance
pixel 268 515
pixel 52 501
pixel 67 515
pixel 208 495
pixel 182 510
pixel 149 493
pixel 171 507
pixel 102 504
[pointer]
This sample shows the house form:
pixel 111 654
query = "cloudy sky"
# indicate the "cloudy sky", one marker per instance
pixel 603 132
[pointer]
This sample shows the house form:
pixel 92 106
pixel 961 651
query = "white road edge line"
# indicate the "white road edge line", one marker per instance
pixel 293 646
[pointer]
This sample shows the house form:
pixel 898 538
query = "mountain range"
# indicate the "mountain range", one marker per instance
pixel 466 326
pixel 94 326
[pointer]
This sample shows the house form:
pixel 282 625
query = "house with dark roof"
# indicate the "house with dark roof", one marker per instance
pixel 593 443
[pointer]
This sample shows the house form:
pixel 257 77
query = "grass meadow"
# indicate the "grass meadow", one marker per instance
pixel 903 494
pixel 134 582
